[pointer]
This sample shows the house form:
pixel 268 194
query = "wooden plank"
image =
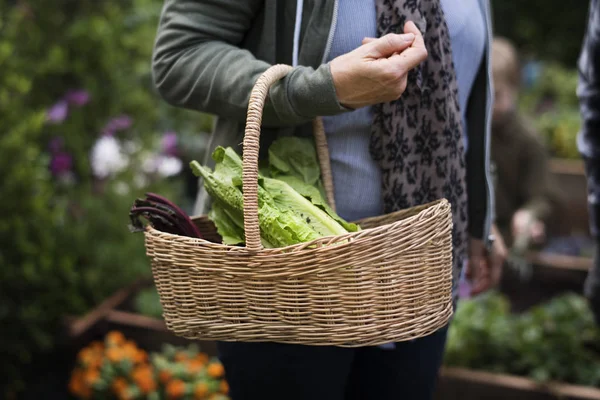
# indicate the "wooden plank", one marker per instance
pixel 77 326
pixel 560 261
pixel 566 167
pixel 137 320
pixel 466 384
pixel 151 333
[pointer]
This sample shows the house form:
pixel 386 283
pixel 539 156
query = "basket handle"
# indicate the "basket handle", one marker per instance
pixel 250 153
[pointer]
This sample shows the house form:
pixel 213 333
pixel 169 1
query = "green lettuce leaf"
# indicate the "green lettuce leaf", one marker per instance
pixel 230 232
pixel 295 156
pixel 316 198
pixel 286 198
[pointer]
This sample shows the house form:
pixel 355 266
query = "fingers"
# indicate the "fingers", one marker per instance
pixel 415 54
pixel 368 40
pixel 486 267
pixel 498 256
pixel 480 275
pixel 410 27
pixel 389 44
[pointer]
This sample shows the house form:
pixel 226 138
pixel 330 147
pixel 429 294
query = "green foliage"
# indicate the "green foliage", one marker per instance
pixel 65 239
pixel 551 341
pixel 479 336
pixel 544 29
pixel 552 104
pixel 147 302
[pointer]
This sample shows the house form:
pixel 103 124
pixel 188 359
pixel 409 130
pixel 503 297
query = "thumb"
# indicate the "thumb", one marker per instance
pixel 416 53
pixel 368 40
pixel 389 44
pixel 473 266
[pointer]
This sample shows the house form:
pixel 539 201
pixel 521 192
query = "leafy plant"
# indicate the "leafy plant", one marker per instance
pixel 77 111
pixel 291 207
pixel 118 369
pixel 528 24
pixel 552 341
pixel 147 302
pixel 553 106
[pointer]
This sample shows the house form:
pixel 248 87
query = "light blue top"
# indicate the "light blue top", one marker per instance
pixel 356 176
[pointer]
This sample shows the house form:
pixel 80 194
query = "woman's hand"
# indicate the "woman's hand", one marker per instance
pixel 376 72
pixel 484 268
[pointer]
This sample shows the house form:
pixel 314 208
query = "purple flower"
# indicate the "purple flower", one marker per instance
pixel 77 97
pixel 61 163
pixel 464 289
pixel 169 144
pixel 119 123
pixel 58 112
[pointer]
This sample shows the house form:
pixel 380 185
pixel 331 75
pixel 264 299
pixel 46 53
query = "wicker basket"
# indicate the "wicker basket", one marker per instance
pixel 392 281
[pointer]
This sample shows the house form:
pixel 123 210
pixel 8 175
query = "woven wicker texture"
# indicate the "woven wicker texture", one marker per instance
pixel 392 281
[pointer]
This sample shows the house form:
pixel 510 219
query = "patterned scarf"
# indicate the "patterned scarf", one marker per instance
pixel 417 140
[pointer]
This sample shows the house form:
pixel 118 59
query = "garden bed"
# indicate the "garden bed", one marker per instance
pixel 465 384
pixel 569 176
pixel 78 331
pixel 551 275
pixel 118 313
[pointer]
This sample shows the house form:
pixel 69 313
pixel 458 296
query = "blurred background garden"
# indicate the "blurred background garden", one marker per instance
pixel 83 133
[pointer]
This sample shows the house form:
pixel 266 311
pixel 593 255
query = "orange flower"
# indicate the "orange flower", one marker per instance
pixel 180 356
pixel 202 357
pixel 90 357
pixel 97 346
pixel 125 395
pixel 119 386
pixel 115 354
pixel 115 338
pixel 164 376
pixel 130 350
pixel 144 378
pixel 175 389
pixel 224 387
pixel 84 354
pixel 86 392
pixel 76 382
pixel 91 376
pixel 140 357
pixel 216 370
pixel 200 391
pixel 194 366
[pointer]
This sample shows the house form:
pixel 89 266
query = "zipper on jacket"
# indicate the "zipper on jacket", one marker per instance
pixel 331 31
pixel 488 178
pixel 297 28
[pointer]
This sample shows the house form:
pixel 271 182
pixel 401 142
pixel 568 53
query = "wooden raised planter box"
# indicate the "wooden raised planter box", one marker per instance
pixel 465 384
pixel 554 274
pixel 551 275
pixel 570 178
pixel 116 313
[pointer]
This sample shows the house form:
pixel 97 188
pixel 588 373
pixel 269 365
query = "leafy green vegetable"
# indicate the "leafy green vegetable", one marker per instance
pixel 278 228
pixel 551 341
pixel 295 156
pixel 286 198
pixel 288 213
pixel 230 232
pixel 314 195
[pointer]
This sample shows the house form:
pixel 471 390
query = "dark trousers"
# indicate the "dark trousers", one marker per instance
pixel 272 371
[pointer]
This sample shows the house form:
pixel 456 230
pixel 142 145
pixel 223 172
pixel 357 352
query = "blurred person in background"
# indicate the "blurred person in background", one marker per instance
pixel 525 198
pixel 404 87
pixel 588 140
